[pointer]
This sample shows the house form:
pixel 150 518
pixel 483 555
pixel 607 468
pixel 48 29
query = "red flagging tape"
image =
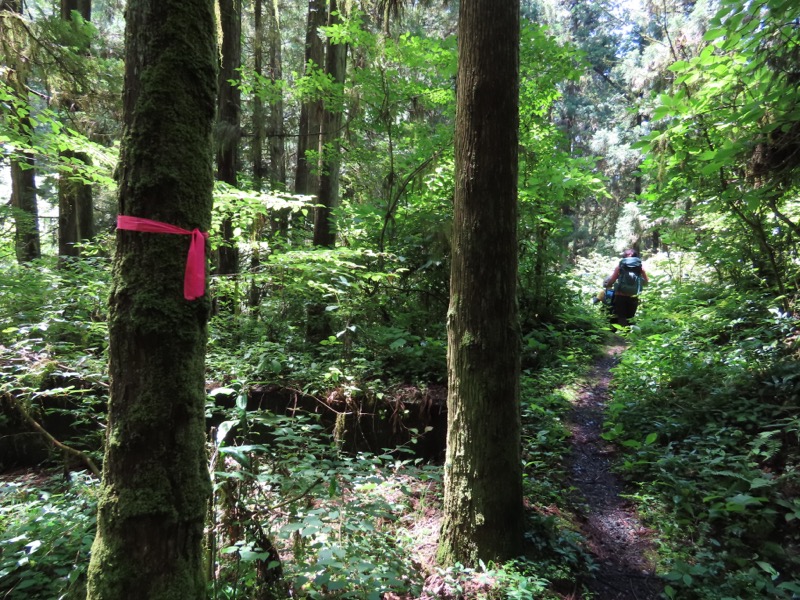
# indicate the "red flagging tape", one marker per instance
pixel 194 280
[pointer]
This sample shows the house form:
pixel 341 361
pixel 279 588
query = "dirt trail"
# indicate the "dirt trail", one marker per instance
pixel 621 546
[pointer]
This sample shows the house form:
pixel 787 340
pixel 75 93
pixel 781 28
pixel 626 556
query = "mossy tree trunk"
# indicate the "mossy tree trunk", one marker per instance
pixel 483 510
pixel 259 118
pixel 156 488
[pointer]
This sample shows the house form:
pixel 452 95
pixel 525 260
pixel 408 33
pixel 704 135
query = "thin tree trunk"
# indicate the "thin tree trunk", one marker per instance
pixel 75 201
pixel 228 122
pixel 277 149
pixel 155 491
pixel 68 192
pixel 318 325
pixel 83 7
pixel 24 206
pixel 305 181
pixel 483 511
pixel 75 210
pixel 23 176
pixel 328 195
pixel 257 148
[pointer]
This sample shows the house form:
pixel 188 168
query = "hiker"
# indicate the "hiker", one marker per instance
pixel 629 277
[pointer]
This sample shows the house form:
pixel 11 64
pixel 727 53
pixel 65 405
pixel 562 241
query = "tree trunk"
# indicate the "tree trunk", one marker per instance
pixel 483 510
pixel 75 211
pixel 156 488
pixel 305 181
pixel 23 176
pixel 75 202
pixel 318 325
pixel 331 125
pixel 83 7
pixel 24 206
pixel 277 148
pixel 228 121
pixel 257 147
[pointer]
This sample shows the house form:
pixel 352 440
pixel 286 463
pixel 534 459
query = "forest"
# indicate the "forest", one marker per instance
pixel 303 299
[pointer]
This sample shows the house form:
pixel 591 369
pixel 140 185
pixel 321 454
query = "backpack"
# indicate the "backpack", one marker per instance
pixel 630 280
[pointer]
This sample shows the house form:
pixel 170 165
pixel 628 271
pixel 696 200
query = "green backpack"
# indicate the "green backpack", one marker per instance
pixel 630 279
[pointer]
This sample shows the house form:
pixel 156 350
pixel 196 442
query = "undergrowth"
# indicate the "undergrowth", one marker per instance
pixel 48 527
pixel 705 404
pixel 294 512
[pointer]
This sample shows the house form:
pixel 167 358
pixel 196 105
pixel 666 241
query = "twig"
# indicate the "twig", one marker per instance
pixel 296 498
pixel 69 450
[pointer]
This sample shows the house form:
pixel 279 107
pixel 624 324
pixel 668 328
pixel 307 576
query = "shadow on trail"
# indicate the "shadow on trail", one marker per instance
pixel 621 546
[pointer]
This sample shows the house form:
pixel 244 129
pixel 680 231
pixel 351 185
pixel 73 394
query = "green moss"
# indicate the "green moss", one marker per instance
pixel 156 485
pixel 468 339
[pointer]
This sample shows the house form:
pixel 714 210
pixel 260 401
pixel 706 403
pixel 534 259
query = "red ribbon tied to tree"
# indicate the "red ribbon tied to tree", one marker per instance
pixel 194 280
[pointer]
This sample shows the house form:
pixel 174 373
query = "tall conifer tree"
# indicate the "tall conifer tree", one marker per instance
pixel 156 487
pixel 483 512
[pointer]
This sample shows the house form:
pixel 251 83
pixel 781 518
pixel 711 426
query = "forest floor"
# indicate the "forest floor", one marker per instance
pixel 621 546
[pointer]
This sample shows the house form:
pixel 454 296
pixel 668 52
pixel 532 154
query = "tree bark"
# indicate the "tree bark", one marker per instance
pixel 277 147
pixel 75 198
pixel 228 121
pixel 83 7
pixel 483 510
pixel 23 176
pixel 257 147
pixel 305 181
pixel 318 324
pixel 75 210
pixel 24 206
pixel 331 125
pixel 156 488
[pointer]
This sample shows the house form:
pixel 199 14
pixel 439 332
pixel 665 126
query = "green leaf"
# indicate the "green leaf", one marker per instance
pixel 251 556
pixel 759 482
pixel 713 34
pixel 767 568
pixel 679 65
pixel 662 112
pixel 739 502
pixel 221 391
pixel 241 401
pixel 223 430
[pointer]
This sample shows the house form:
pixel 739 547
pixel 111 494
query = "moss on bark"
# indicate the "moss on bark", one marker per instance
pixel 155 486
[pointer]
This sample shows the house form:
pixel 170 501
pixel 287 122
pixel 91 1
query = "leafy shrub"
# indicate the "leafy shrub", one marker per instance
pixel 48 529
pixel 336 527
pixel 703 403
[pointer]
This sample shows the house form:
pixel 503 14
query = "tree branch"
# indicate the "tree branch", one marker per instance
pixel 69 450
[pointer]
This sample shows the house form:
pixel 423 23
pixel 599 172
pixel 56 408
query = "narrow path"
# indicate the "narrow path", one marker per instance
pixel 621 546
